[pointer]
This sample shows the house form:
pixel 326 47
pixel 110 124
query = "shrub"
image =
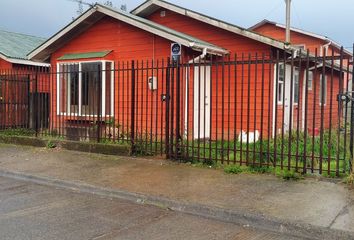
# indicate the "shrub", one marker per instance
pixel 233 169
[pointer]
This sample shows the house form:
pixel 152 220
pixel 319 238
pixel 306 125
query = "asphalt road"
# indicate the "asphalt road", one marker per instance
pixel 31 211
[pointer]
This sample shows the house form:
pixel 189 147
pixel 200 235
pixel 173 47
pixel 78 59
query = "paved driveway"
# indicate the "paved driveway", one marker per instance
pixel 30 211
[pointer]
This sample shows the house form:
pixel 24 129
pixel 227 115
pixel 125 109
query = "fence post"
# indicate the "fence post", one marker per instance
pixel 352 118
pixel 167 116
pixel 178 108
pixel 132 117
pixel 28 90
pixel 35 104
pixel 99 103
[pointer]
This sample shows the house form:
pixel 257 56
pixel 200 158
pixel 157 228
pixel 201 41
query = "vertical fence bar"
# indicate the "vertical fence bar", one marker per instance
pixel 299 106
pixel 292 73
pixel 132 106
pixel 351 163
pixel 275 152
pixel 167 117
pixel 323 89
pixel 178 110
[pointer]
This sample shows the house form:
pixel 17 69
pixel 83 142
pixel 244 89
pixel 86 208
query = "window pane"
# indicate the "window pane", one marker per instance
pixel 280 92
pixel 310 80
pixel 108 88
pixel 296 87
pixel 63 85
pixel 281 73
pixel 73 76
pixel 324 82
pixel 91 88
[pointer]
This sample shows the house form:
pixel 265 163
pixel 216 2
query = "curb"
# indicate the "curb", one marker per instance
pixel 108 149
pixel 302 230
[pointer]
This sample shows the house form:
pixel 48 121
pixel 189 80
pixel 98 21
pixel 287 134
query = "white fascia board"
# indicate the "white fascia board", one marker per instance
pixel 126 19
pixel 24 62
pixel 158 32
pixel 213 22
pixel 314 35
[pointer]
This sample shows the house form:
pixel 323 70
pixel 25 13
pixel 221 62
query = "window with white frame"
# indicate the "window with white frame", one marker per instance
pixel 323 85
pixel 309 80
pixel 280 87
pixel 85 88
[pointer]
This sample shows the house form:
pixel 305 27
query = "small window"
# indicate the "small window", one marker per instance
pixel 310 80
pixel 296 86
pixel 281 79
pixel 323 96
pixel 163 14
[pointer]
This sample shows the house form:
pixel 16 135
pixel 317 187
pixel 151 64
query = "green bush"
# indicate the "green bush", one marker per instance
pixel 233 169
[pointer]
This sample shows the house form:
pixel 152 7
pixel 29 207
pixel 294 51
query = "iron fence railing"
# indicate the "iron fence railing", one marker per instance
pixel 266 110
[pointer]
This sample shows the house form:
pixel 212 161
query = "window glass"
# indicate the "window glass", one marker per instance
pixel 296 87
pixel 281 83
pixel 310 80
pixel 80 88
pixel 323 82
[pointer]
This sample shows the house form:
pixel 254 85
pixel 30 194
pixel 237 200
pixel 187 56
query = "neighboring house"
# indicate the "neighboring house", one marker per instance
pixel 85 53
pixel 321 46
pixel 17 73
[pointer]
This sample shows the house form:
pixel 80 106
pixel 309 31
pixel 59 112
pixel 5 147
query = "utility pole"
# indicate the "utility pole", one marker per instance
pixel 288 15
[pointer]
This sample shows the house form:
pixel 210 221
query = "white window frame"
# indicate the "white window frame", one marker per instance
pixel 320 90
pixel 103 94
pixel 296 72
pixel 310 79
pixel 280 83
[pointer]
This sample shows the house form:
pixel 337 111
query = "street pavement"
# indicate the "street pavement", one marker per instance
pixel 32 211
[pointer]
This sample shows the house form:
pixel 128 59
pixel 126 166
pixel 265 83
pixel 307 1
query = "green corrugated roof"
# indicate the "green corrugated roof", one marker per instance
pixel 17 45
pixel 73 56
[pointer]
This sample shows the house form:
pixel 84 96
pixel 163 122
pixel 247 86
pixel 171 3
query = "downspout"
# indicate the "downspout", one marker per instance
pixel 325 46
pixel 200 57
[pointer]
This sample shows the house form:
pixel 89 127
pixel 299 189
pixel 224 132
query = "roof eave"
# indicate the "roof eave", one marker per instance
pixel 40 54
pixel 209 20
pixel 23 61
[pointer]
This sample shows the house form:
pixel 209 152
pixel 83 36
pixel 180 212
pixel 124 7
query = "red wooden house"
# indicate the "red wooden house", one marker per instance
pixel 321 46
pixel 16 74
pixel 216 99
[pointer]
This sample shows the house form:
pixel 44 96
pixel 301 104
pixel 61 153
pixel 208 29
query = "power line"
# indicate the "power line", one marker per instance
pixel 276 7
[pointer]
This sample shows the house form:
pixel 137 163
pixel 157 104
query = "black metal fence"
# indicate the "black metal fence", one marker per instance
pixel 276 109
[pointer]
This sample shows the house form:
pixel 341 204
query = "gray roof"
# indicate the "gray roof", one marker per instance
pixel 161 27
pixel 92 15
pixel 17 45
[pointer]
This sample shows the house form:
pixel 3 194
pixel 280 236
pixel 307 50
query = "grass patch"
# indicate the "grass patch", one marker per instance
pixel 289 175
pixel 292 150
pixel 233 169
pixel 18 132
pixel 350 179
pixel 51 145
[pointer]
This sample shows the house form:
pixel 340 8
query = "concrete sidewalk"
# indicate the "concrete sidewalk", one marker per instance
pixel 308 208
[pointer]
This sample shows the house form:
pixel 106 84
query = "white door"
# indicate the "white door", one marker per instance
pixel 201 102
pixel 289 104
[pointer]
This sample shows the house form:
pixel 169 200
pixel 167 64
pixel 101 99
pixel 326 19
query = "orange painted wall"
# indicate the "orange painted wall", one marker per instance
pixel 4 65
pixel 278 33
pixel 127 43
pixel 226 116
pixel 14 91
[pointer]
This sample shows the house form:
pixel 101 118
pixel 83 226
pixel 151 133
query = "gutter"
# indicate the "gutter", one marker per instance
pixel 200 57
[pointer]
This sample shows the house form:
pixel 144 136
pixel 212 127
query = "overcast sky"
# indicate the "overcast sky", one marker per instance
pixel 326 17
